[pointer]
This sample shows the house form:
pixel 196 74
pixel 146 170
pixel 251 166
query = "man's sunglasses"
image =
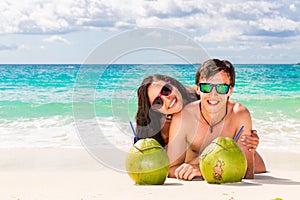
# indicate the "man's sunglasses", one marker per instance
pixel 220 88
pixel 158 102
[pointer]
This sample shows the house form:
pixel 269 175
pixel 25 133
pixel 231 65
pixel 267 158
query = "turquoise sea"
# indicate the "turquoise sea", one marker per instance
pixel 39 104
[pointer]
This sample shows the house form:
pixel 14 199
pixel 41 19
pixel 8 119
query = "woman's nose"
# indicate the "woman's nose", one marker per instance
pixel 167 99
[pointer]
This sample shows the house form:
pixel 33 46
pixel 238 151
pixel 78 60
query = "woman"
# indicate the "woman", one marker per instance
pixel 159 97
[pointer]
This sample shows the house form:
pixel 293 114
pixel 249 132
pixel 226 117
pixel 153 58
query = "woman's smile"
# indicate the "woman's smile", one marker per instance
pixel 173 102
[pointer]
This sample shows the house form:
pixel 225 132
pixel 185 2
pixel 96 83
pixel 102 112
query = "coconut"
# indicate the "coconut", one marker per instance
pixel 222 161
pixel 147 162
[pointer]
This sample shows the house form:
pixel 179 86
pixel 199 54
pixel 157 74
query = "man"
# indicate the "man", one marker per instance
pixel 202 121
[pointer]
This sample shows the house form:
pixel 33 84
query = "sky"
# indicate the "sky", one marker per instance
pixel 68 31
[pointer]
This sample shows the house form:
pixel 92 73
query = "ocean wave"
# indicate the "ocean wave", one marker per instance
pixel 113 132
pixel 56 131
pixel 278 133
pixel 62 131
pixel 19 109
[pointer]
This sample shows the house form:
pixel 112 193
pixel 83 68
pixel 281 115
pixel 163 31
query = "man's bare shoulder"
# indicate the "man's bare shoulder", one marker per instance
pixel 238 108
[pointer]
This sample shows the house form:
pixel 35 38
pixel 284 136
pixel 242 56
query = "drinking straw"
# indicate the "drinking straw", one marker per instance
pixel 238 133
pixel 134 133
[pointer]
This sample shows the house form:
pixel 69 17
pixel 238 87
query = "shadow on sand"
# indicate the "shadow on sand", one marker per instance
pixel 268 179
pixel 263 179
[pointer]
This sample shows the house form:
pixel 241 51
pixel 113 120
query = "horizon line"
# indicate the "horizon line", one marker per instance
pixel 142 63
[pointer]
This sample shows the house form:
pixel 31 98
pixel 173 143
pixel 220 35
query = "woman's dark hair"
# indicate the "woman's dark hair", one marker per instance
pixel 148 121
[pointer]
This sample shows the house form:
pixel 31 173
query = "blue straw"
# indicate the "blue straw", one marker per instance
pixel 238 133
pixel 134 133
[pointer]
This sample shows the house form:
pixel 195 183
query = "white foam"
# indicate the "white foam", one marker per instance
pixel 59 131
pixel 56 131
pixel 278 134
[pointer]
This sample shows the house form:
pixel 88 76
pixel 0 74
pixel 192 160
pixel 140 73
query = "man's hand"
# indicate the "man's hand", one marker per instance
pixel 187 171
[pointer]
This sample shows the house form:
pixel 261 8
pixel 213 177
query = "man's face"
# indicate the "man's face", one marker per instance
pixel 213 101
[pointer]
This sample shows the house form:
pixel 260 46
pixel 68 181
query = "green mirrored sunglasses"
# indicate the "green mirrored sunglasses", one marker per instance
pixel 220 88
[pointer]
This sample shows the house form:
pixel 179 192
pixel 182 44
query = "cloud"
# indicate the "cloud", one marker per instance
pixel 56 38
pixel 30 17
pixel 8 47
pixel 276 24
pixel 218 36
pixel 293 7
pixel 236 22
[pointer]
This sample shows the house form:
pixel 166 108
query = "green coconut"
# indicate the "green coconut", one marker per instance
pixel 222 161
pixel 147 162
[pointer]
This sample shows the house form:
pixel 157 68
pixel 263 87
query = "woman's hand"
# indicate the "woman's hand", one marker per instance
pixel 250 141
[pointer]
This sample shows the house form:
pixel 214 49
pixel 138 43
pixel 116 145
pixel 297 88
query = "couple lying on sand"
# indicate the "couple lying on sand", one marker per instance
pixel 185 120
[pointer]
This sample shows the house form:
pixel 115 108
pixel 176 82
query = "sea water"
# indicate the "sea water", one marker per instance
pixel 41 105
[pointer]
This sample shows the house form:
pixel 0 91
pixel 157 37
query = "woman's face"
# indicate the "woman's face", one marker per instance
pixel 165 97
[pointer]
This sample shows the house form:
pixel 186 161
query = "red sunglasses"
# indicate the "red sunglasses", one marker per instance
pixel 158 102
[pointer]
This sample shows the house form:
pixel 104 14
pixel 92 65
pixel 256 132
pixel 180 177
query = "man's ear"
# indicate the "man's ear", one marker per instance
pixel 197 90
pixel 230 91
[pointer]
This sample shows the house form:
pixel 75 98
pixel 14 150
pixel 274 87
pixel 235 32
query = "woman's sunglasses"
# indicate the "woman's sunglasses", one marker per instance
pixel 220 88
pixel 158 102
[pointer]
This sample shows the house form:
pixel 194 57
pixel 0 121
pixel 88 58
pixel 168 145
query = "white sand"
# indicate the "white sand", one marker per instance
pixel 73 174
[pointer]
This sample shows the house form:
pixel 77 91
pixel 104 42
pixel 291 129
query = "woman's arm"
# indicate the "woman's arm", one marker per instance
pixel 176 146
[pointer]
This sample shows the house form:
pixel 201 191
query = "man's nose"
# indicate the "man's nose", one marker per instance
pixel 214 91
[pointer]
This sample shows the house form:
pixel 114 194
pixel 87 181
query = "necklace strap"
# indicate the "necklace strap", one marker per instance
pixel 211 127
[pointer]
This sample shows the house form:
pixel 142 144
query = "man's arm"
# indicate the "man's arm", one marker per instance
pixel 244 118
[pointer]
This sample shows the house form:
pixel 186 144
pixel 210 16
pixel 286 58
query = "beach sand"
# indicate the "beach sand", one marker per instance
pixel 61 173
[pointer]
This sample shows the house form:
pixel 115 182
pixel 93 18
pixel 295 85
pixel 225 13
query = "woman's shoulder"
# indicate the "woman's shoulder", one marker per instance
pixel 187 109
pixel 192 105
